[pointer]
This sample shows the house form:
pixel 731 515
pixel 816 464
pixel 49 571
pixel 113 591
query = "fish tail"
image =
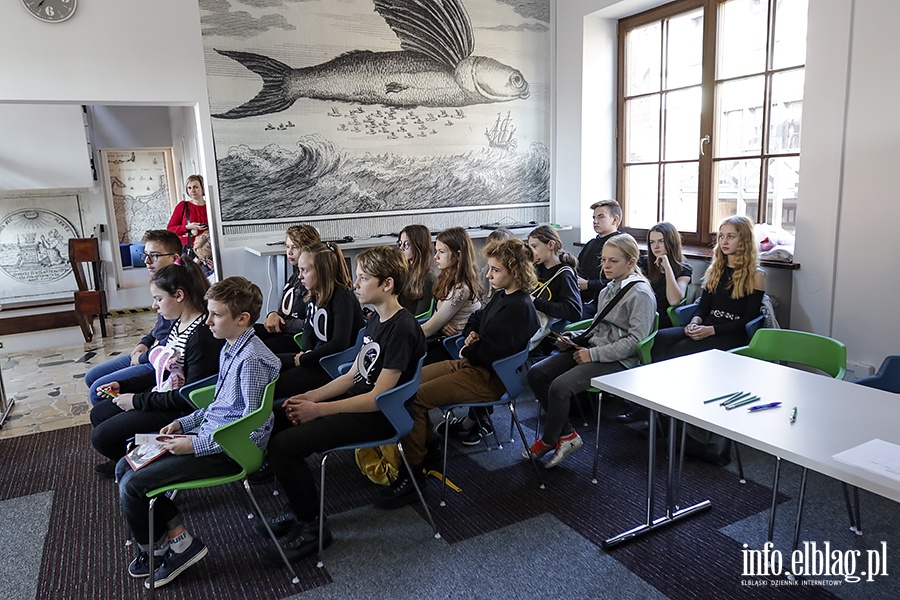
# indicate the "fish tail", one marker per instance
pixel 272 97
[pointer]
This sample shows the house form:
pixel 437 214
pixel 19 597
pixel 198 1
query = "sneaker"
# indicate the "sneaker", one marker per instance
pixel 564 448
pixel 477 434
pixel 261 475
pixel 401 492
pixel 300 541
pixel 538 450
pixel 174 564
pixel 457 427
pixel 107 469
pixel 140 566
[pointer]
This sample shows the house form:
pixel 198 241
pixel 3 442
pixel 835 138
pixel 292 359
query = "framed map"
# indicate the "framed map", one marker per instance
pixel 141 186
pixel 34 255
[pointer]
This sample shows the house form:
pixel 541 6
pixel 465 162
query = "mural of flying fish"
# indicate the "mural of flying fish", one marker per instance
pixel 435 67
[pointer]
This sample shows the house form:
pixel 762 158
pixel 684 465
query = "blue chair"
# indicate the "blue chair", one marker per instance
pixel 187 391
pixel 507 370
pixel 332 363
pixel 392 404
pixel 234 438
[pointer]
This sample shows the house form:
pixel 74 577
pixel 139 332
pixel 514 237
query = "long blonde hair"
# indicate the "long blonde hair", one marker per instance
pixel 746 260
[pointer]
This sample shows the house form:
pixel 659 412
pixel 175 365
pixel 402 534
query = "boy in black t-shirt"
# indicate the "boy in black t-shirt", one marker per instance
pixel 607 218
pixel 343 411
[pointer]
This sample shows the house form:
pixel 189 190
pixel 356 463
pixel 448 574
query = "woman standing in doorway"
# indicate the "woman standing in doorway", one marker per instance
pixel 189 217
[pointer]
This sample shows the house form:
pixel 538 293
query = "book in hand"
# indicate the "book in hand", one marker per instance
pixel 147 448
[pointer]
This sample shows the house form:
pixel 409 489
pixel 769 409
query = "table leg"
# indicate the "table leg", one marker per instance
pixel 672 515
pixel 774 498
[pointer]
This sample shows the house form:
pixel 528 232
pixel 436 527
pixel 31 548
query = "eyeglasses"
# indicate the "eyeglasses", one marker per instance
pixel 154 256
pixel 403 245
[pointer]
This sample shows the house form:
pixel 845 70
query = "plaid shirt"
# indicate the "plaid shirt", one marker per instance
pixel 245 368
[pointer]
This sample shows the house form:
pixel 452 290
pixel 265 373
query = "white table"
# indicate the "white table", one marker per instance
pixel 832 416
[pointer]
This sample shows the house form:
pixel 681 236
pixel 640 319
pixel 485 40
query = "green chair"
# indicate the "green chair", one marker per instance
pixel 234 438
pixel 298 339
pixel 673 313
pixel 427 314
pixel 796 348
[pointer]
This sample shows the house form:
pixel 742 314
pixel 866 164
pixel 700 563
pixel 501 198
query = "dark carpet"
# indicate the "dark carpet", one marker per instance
pixel 85 553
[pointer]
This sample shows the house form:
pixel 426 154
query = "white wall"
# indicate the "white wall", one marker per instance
pixel 131 127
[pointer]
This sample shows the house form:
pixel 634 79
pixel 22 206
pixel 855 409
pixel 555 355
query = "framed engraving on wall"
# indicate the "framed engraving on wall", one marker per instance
pixel 34 254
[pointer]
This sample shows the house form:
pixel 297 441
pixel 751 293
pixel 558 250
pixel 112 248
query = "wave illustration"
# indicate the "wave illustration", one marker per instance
pixel 318 179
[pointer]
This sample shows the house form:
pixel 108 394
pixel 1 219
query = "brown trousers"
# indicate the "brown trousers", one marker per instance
pixel 443 383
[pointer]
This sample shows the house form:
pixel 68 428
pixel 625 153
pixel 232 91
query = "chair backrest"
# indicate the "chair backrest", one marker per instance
pixel 331 363
pixel 298 339
pixel 684 312
pixel 800 348
pixel 507 370
pixel 579 325
pixel 392 402
pixel 421 318
pixel 234 438
pixel 453 344
pixel 558 325
pixel 673 316
pixel 887 378
pixel 202 398
pixel 646 345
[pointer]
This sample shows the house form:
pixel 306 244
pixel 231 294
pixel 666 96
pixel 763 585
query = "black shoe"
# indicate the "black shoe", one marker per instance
pixel 477 434
pixel 280 524
pixel 632 416
pixel 261 475
pixel 456 427
pixel 401 492
pixel 107 469
pixel 434 454
pixel 298 543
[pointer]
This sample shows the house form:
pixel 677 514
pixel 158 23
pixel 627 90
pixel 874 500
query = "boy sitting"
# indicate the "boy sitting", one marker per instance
pixel 246 366
pixel 343 411
pixel 607 218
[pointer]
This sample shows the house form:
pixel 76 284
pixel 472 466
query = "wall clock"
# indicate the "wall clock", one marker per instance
pixel 51 11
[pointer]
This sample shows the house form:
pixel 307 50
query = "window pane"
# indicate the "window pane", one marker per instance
pixel 786 112
pixel 641 185
pixel 642 127
pixel 683 124
pixel 739 117
pixel 782 191
pixel 680 195
pixel 685 50
pixel 742 38
pixel 790 33
pixel 642 47
pixel 737 189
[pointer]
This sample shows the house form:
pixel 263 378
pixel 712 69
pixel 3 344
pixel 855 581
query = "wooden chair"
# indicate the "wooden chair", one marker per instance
pixel 88 302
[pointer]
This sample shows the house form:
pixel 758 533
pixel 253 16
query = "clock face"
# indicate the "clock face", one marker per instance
pixel 51 11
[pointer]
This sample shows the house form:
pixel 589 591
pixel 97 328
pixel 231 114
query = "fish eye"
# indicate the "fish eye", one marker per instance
pixel 516 79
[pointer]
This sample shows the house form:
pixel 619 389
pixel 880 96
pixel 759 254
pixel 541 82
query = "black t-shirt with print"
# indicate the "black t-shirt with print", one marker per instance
pixel 397 343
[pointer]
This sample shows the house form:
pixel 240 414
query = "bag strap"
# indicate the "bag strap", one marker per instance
pixel 609 306
pixel 186 217
pixel 543 286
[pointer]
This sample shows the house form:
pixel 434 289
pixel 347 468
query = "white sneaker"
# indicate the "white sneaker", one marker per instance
pixel 564 448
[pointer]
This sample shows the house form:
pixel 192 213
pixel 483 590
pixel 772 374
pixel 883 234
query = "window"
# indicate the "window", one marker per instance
pixel 710 113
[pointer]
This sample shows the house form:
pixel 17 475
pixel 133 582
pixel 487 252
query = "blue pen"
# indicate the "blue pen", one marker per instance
pixel 764 406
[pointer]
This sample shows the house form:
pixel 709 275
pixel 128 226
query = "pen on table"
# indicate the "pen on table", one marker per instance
pixel 749 400
pixel 736 398
pixel 731 395
pixel 794 415
pixel 764 406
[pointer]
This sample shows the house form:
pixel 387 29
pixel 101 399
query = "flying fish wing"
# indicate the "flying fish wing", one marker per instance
pixel 438 29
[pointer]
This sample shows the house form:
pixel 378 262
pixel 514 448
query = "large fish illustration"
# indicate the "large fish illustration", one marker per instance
pixel 434 68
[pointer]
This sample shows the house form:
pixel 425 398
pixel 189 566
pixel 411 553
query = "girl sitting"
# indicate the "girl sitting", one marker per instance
pixel 280 326
pixel 145 403
pixel 666 269
pixel 457 290
pixel 557 295
pixel 627 309
pixel 334 317
pixel 415 243
pixel 733 288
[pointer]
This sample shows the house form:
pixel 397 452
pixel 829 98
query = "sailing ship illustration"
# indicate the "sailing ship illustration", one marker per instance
pixel 501 135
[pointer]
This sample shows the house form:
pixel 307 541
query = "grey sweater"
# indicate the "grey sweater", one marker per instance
pixel 631 320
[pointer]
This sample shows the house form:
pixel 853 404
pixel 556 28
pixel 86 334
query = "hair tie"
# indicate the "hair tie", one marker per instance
pixel 178 260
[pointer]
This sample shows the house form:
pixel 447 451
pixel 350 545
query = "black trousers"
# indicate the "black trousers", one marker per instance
pixel 113 427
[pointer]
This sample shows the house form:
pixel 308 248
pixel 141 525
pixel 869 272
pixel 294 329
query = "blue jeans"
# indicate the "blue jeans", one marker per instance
pixel 115 369
pixel 165 470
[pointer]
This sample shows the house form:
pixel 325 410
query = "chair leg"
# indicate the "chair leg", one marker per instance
pixel 515 418
pixel 412 476
pixel 321 564
pixel 152 593
pixel 737 457
pixel 294 578
pixel 446 449
pixel 597 439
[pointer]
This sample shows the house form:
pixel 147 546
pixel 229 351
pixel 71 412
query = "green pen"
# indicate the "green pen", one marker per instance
pixel 731 395
pixel 737 398
pixel 749 400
